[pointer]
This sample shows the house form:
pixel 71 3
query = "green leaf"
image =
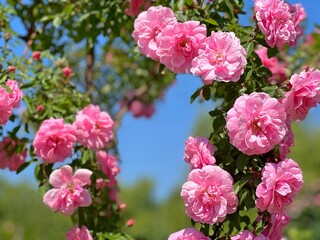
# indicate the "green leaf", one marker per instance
pixel 238 185
pixel 85 156
pixel 211 21
pixel 195 95
pixel 181 17
pixel 249 48
pixel 206 92
pixel 272 52
pixel 242 161
pixel 57 21
pixel 230 7
pixel 23 167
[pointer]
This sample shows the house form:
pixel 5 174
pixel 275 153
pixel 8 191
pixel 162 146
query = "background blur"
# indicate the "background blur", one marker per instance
pixel 153 170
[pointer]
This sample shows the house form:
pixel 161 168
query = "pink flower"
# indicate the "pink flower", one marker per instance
pixel 256 123
pixel 223 59
pixel 148 27
pixel 9 157
pixel 208 195
pixel 279 21
pixel 180 44
pixel 279 186
pixel 66 71
pixel 199 152
pixel 277 69
pixel 135 7
pixel 304 94
pixel 108 165
pixel 54 141
pixel 130 222
pixel 36 55
pixel 68 192
pixel 77 233
pixel 245 235
pixel 40 108
pixel 94 129
pixel 188 234
pixel 275 229
pixel 287 142
pixel 8 101
pixel 11 69
pixel 141 109
pixel 122 206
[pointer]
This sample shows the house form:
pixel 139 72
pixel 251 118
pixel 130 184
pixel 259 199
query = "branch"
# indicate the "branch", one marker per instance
pixel 90 70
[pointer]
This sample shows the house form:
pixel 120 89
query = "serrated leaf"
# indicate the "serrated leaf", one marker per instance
pixel 23 166
pixel 249 48
pixel 206 92
pixel 242 161
pixel 272 52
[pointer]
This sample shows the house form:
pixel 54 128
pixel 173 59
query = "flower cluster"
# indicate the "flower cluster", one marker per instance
pixel 9 156
pixel 109 166
pixel 9 100
pixel 279 21
pixel 183 47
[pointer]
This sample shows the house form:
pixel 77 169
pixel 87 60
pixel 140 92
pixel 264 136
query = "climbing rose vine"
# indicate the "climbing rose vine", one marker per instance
pixel 73 107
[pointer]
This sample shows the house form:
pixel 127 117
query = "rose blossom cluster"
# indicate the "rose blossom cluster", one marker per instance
pixel 279 21
pixel 183 47
pixel 54 140
pixel 9 101
pixel 208 194
pixel 9 156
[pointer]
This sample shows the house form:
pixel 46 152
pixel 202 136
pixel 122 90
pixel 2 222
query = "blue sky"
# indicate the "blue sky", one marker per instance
pixel 154 147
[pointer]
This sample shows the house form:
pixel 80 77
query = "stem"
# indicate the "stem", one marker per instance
pixel 90 70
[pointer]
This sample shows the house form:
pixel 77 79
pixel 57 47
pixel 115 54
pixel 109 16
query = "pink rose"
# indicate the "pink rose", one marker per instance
pixel 180 44
pixel 77 233
pixel 9 156
pixel 66 71
pixel 54 141
pixel 223 59
pixel 11 69
pixel 36 55
pixel 148 27
pixel 279 21
pixel 280 184
pixel 275 229
pixel 135 7
pixel 304 94
pixel 68 192
pixel 277 69
pixel 199 152
pixel 245 235
pixel 141 109
pixel 108 165
pixel 94 129
pixel 8 101
pixel 287 142
pixel 188 234
pixel 130 222
pixel 256 123
pixel 208 195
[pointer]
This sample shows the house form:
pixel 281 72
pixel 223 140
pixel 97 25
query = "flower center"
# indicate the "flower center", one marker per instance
pixel 256 125
pixel 215 57
pixel 211 195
